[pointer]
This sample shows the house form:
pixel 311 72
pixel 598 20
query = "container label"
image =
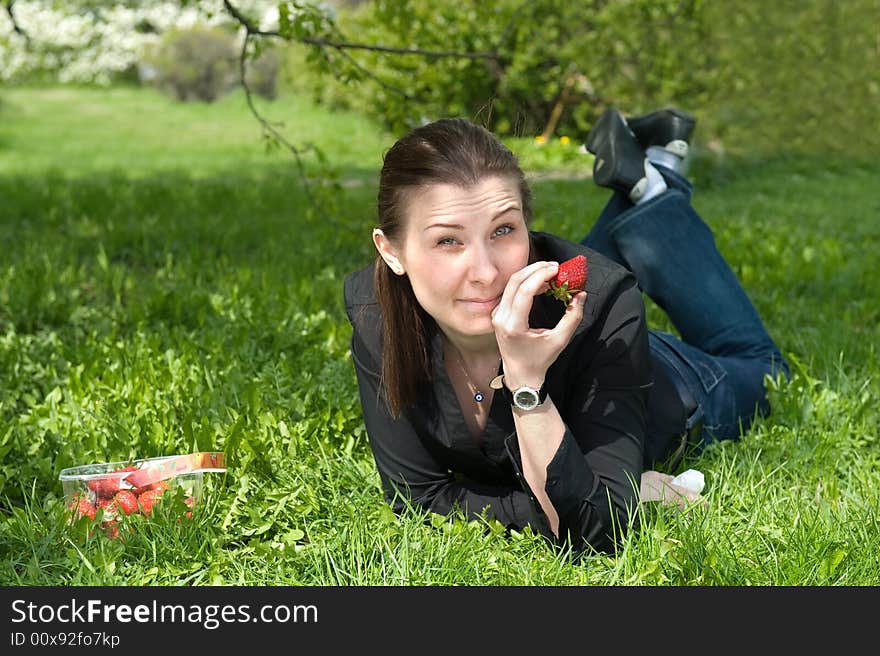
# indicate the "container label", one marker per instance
pixel 191 463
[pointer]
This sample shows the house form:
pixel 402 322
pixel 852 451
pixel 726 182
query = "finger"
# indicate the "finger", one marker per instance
pixel 553 341
pixel 569 322
pixel 504 308
pixel 656 486
pixel 512 285
pixel 532 286
pixel 651 489
pixel 682 496
pixel 681 491
pixel 526 273
pixel 560 335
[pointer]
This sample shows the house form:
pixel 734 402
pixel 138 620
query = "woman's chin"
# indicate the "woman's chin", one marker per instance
pixel 477 327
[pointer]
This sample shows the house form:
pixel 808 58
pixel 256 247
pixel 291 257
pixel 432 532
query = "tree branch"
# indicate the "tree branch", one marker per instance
pixel 270 131
pixel 268 128
pixel 373 76
pixel 399 51
pixel 248 25
pixel 15 26
pixel 343 45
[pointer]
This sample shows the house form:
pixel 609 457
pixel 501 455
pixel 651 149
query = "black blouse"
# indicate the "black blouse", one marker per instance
pixel 600 385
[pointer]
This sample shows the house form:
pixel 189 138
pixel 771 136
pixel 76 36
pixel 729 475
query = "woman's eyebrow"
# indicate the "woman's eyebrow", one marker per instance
pixel 458 226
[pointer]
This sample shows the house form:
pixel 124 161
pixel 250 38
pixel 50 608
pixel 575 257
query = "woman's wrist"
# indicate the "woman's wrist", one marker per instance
pixel 515 378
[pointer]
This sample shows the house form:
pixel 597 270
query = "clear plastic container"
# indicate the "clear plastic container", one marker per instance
pixel 88 487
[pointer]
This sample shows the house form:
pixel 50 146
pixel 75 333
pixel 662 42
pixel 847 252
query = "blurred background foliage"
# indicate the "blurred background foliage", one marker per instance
pixel 763 77
pixel 788 76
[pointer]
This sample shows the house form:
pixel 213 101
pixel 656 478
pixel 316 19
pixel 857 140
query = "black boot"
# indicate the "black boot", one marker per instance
pixel 620 161
pixel 668 128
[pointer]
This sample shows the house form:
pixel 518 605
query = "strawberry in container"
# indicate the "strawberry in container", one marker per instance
pixel 119 489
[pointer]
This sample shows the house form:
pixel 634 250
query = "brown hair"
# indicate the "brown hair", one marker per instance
pixel 448 151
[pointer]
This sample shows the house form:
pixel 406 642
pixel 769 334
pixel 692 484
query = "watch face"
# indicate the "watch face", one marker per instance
pixel 525 398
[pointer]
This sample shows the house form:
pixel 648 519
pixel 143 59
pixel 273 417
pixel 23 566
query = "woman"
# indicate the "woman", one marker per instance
pixel 454 299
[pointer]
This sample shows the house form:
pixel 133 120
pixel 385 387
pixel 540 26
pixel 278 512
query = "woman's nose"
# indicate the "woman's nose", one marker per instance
pixel 483 266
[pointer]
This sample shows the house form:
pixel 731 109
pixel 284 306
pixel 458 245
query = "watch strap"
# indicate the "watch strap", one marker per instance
pixel 508 393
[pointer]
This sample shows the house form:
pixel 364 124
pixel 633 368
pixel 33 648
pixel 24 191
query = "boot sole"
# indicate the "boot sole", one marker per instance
pixel 611 129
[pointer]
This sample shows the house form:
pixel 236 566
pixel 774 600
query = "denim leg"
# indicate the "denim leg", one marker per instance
pixel 672 252
pixel 729 390
pixel 599 238
pixel 726 349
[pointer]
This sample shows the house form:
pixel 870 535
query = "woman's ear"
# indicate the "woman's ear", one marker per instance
pixel 388 252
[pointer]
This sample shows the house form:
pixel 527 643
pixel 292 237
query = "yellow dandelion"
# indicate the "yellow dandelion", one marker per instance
pixel 540 139
pixel 564 141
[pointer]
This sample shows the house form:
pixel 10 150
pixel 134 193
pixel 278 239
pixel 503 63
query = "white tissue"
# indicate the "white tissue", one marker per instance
pixel 691 479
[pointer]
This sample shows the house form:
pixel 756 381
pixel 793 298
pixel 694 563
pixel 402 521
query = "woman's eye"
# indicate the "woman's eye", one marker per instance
pixel 500 231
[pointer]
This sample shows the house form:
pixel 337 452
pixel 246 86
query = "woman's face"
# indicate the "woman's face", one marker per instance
pixel 459 247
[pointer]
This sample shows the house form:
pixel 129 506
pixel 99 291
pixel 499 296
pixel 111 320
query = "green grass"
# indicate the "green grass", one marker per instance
pixel 81 132
pixel 164 288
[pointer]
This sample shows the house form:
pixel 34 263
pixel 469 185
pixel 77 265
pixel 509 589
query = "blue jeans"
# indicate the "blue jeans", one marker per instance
pixel 724 351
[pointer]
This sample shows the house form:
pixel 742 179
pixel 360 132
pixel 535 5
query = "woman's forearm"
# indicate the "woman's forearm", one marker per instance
pixel 540 433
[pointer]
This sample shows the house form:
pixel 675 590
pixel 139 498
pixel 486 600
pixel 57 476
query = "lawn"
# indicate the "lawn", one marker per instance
pixel 166 286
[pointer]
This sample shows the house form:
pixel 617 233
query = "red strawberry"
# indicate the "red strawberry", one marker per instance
pixel 111 528
pixel 126 501
pixel 189 501
pixel 108 486
pixel 83 506
pixel 104 487
pixel 158 485
pixel 150 498
pixel 570 279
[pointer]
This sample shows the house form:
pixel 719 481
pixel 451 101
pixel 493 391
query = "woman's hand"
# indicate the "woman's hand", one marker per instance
pixel 659 487
pixel 528 352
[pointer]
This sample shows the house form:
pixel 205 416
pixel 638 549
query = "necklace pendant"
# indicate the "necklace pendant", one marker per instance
pixel 478 397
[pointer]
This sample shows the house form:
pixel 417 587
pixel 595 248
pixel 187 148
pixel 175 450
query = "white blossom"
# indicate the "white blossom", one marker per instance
pixel 93 46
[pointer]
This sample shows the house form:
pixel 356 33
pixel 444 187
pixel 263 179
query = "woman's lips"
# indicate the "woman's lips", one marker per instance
pixel 481 302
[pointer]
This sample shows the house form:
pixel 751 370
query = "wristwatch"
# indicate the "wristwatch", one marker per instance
pixel 525 397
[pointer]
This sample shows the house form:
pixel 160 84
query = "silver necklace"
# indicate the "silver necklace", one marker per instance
pixel 478 395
